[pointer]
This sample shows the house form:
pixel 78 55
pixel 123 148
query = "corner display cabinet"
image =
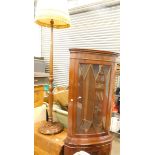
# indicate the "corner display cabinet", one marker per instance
pixel 90 95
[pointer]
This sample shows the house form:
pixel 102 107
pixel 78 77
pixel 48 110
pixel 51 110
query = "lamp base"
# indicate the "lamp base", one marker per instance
pixel 49 128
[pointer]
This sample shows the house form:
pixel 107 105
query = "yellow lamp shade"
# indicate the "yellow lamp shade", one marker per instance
pixel 56 10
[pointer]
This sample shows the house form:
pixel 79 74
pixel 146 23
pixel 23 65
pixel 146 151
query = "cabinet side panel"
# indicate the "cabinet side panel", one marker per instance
pixel 111 86
pixel 71 96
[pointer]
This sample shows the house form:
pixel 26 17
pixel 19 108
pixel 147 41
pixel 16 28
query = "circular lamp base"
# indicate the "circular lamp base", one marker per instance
pixel 49 128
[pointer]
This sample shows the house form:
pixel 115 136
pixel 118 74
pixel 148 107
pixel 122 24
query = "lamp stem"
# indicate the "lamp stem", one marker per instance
pixel 50 115
pixel 51 127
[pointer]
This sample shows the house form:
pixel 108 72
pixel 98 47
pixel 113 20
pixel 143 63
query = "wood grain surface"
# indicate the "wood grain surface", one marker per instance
pixel 48 144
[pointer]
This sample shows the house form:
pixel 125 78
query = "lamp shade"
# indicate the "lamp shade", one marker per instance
pixel 56 10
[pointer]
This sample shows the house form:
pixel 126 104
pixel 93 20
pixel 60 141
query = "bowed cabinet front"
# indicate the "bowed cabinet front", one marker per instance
pixel 91 80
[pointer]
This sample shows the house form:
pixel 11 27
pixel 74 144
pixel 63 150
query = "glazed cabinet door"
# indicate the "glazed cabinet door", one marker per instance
pixel 92 98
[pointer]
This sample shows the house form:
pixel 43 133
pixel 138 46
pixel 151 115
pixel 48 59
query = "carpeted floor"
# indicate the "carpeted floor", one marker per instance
pixel 116 146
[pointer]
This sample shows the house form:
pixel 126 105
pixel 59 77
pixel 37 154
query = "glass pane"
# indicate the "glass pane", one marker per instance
pixel 92 99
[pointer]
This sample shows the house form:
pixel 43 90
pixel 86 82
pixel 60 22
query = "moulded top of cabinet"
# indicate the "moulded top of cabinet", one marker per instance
pixel 77 50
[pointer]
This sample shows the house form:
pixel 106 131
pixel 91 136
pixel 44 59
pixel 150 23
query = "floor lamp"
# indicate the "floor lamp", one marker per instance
pixel 52 14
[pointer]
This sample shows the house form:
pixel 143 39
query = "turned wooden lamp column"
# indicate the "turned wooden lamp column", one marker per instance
pixel 52 14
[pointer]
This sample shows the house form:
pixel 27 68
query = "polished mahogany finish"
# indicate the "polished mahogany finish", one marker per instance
pixel 90 93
